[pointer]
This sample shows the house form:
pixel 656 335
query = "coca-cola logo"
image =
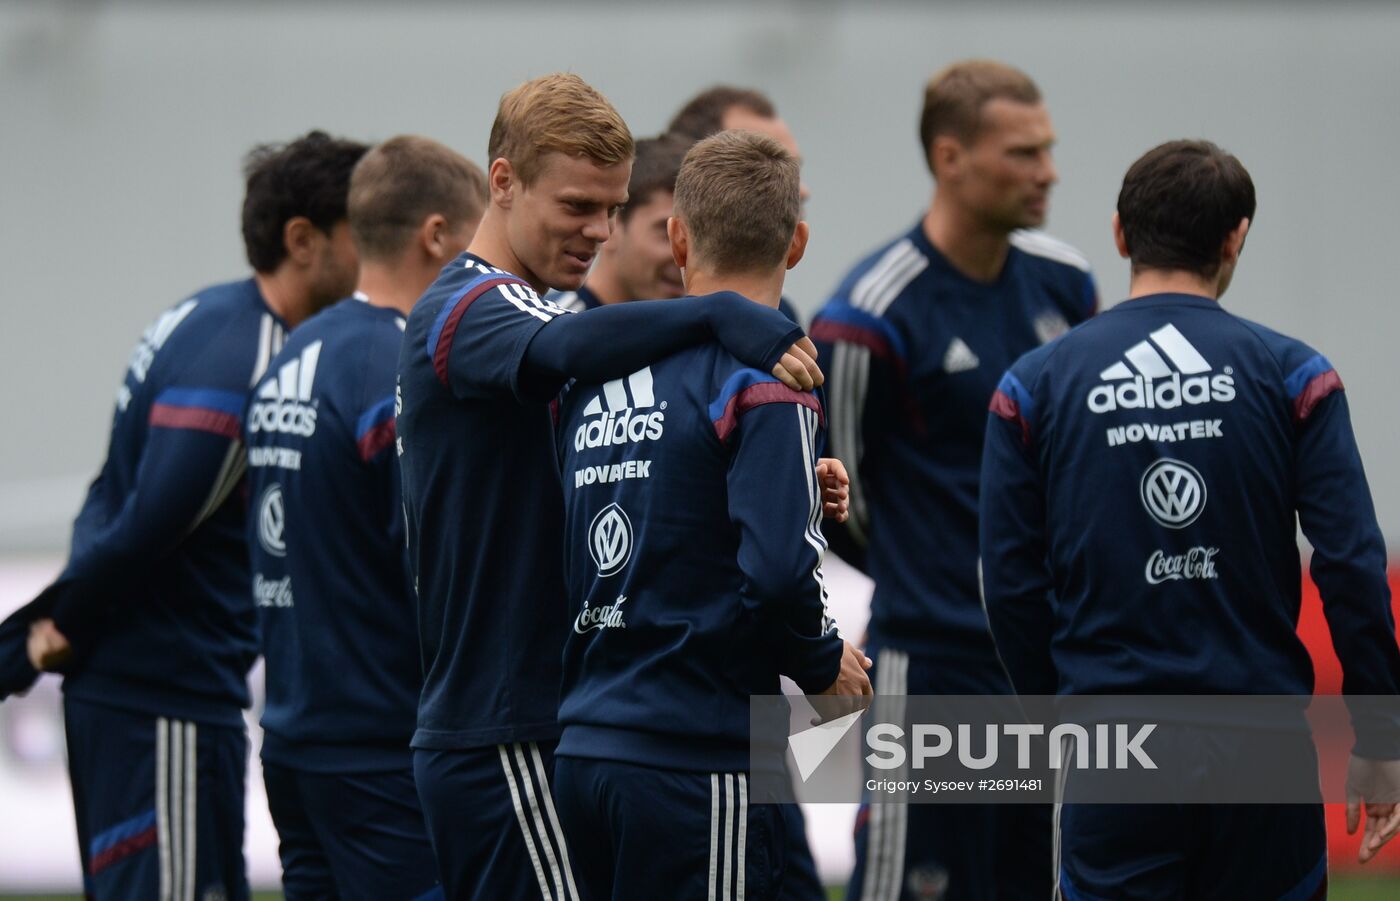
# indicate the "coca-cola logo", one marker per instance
pixel 1197 563
pixel 607 616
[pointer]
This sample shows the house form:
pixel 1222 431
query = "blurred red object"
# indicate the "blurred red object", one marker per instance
pixel 1312 628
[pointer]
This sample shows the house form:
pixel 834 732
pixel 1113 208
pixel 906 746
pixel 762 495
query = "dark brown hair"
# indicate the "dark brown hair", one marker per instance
pixel 1178 204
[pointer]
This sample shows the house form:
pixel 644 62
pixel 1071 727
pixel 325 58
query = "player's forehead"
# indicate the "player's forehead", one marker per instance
pixel 737 117
pixel 1005 121
pixel 580 179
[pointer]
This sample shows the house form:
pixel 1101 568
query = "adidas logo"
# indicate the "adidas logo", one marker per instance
pixel 154 338
pixel 618 406
pixel 959 357
pixel 1161 373
pixel 283 403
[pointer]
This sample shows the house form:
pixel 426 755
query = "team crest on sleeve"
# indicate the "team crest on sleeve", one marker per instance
pixel 610 540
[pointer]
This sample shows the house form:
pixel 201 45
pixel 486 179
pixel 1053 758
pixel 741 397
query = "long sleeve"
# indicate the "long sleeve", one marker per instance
pixel 775 501
pixel 1016 583
pixel 191 461
pixel 617 339
pixel 860 354
pixel 1349 559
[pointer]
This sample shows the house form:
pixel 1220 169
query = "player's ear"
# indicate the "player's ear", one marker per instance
pixel 1234 242
pixel 798 247
pixel 432 236
pixel 1119 241
pixel 502 182
pixel 680 241
pixel 299 237
pixel 944 156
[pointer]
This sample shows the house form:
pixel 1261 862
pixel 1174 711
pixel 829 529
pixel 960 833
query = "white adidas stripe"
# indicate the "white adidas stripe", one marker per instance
pixel 888 827
pixel 1155 358
pixel 534 792
pixel 524 826
pixel 554 821
pixel 1038 243
pixel 807 424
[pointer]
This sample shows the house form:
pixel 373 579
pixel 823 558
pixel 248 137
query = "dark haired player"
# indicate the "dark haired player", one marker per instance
pixel 1140 485
pixel 694 562
pixel 915 338
pixel 482 358
pixel 330 576
pixel 151 620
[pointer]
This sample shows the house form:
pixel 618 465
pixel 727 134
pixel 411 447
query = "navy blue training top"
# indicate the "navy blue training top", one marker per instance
pixel 155 592
pixel 326 536
pixel 692 557
pixel 1143 482
pixel 912 350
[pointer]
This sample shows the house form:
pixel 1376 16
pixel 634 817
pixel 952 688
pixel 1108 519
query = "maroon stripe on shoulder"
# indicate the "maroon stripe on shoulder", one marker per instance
pixel 757 396
pixel 1313 393
pixel 1002 405
pixel 832 332
pixel 199 419
pixel 449 328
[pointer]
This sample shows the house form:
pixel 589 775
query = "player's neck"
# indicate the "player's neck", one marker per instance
pixel 1171 281
pixel 972 248
pixel 492 244
pixel 765 289
pixel 604 284
pixel 393 286
pixel 285 293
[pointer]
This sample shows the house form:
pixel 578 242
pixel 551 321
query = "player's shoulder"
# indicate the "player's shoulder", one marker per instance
pixel 1298 362
pixel 1057 270
pixel 221 306
pixel 871 287
pixel 219 327
pixel 1049 251
pixel 736 389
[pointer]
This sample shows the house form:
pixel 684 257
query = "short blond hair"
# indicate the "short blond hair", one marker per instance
pixel 739 195
pixel 953 98
pixel 559 113
pixel 403 181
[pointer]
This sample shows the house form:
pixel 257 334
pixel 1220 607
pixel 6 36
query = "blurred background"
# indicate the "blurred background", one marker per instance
pixel 122 127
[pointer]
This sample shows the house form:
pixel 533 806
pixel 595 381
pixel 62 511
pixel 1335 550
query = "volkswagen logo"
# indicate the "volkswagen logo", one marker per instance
pixel 1173 493
pixel 610 540
pixel 272 521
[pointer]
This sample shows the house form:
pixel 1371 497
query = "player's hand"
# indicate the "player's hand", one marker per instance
pixel 798 368
pixel 836 488
pixel 48 648
pixel 850 692
pixel 1377 783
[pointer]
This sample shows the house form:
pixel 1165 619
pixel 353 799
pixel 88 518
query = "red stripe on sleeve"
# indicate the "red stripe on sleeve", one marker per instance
pixel 443 351
pixel 199 419
pixel 757 396
pixel 1002 405
pixel 376 439
pixel 1312 395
